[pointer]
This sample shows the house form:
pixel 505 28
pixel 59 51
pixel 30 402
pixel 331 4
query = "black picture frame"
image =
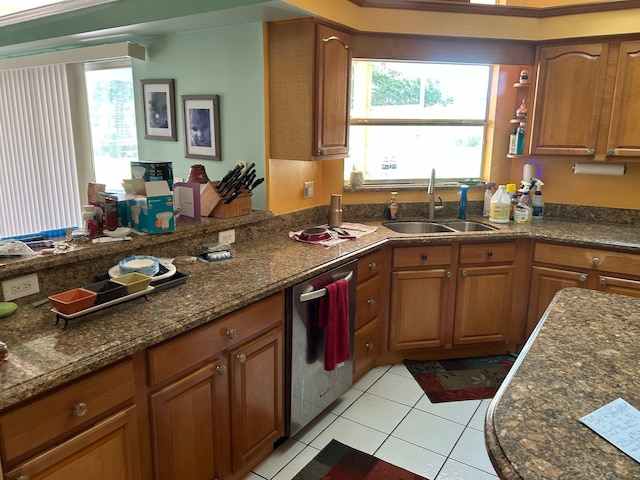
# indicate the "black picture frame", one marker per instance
pixel 159 109
pixel 202 126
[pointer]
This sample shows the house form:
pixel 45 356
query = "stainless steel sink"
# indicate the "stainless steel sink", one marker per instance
pixel 417 227
pixel 463 226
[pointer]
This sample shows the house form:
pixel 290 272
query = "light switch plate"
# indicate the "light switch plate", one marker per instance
pixel 308 189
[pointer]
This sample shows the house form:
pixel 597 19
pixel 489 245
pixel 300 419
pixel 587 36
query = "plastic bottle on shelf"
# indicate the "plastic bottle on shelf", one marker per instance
pixel 462 213
pixel 520 139
pixel 513 142
pixel 89 218
pixel 499 206
pixel 490 190
pixel 392 208
pixel 523 210
pixel 537 206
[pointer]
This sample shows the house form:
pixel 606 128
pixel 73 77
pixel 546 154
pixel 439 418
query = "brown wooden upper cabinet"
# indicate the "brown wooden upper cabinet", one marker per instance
pixel 309 80
pixel 586 101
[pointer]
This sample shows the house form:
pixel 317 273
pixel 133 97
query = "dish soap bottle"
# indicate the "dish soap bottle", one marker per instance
pixel 499 206
pixel 462 213
pixel 537 205
pixel 392 208
pixel 523 211
pixel 490 190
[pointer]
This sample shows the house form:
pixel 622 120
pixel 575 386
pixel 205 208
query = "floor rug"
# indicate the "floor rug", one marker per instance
pixel 340 462
pixel 461 379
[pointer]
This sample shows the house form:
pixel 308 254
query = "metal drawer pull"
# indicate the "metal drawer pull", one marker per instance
pixel 489 253
pixel 603 281
pixel 371 301
pixel 448 274
pixel 582 278
pixel 369 346
pixel 595 260
pixel 231 334
pixel 79 409
pixel 221 369
pixel 423 256
pixel 242 358
pixel 305 297
pixel 372 266
pixel 464 273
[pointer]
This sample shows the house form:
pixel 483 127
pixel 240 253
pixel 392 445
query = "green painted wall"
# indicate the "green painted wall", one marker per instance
pixel 225 61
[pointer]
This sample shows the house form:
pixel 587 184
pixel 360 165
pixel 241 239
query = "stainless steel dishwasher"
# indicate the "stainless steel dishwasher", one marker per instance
pixel 311 387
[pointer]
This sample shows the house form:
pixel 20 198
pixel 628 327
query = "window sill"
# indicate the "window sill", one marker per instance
pixel 400 187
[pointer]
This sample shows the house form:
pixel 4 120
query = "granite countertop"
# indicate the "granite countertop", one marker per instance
pixel 42 356
pixel 583 355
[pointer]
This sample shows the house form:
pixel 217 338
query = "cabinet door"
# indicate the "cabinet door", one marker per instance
pixel 483 305
pixel 257 397
pixel 620 286
pixel 367 346
pixel 333 71
pixel 624 130
pixel 419 301
pixel 545 283
pixel 107 451
pixel 568 99
pixel 188 426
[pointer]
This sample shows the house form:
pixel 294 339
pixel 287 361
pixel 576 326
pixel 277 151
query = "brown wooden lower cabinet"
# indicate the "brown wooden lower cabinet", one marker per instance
pixel 107 451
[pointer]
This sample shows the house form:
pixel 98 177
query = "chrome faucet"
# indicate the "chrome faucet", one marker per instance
pixel 431 191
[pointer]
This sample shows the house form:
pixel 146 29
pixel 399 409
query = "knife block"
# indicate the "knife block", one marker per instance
pixel 212 204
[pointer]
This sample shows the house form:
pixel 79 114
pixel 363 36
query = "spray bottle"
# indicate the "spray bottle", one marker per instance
pixel 537 203
pixel 490 190
pixel 462 213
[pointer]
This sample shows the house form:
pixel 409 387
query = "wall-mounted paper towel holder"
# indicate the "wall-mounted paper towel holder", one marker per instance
pixel 600 168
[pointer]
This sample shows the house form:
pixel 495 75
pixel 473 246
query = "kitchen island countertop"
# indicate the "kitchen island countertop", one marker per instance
pixel 43 356
pixel 582 355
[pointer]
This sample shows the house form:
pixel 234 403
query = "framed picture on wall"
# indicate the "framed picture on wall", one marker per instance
pixel 159 110
pixel 201 126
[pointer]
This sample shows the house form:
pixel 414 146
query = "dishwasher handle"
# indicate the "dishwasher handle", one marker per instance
pixel 306 297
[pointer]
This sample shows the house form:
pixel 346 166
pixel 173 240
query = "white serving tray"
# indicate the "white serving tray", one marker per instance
pixel 110 303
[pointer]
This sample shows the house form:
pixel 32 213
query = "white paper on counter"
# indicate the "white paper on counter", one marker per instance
pixel 619 424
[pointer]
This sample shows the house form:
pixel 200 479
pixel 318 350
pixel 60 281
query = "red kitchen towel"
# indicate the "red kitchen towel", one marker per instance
pixel 333 314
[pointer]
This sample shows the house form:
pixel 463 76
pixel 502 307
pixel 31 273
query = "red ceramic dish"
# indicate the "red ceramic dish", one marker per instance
pixel 73 301
pixel 316 234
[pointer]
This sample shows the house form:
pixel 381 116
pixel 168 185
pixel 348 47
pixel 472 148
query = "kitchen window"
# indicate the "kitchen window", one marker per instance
pixel 410 117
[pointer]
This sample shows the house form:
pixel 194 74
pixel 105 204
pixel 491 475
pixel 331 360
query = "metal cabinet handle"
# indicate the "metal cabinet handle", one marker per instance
pixel 465 273
pixel 231 334
pixel 595 260
pixel 603 281
pixel 373 266
pixel 321 151
pixel 369 346
pixel 221 369
pixel 242 358
pixel 591 151
pixel 611 152
pixel 448 274
pixel 582 278
pixel 423 257
pixel 79 409
pixel 371 302
pixel 489 253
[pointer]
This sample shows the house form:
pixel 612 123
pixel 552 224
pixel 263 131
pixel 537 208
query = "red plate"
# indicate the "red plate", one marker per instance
pixel 316 234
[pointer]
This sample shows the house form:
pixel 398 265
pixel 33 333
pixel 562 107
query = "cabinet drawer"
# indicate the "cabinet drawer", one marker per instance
pixel 592 258
pixel 186 352
pixel 367 301
pixel 37 422
pixel 487 253
pixel 367 345
pixel 422 256
pixel 369 265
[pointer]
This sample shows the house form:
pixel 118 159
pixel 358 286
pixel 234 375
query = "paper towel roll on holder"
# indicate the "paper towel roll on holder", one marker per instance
pixel 588 168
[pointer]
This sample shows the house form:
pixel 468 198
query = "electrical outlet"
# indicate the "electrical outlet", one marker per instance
pixel 227 236
pixel 20 287
pixel 308 189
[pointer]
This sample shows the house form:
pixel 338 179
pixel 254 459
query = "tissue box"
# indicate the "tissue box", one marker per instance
pixel 153 172
pixel 149 206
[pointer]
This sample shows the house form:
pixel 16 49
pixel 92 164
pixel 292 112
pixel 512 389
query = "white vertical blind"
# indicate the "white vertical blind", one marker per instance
pixel 38 179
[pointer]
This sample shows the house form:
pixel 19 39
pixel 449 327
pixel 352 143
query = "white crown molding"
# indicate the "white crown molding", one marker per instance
pixel 54 9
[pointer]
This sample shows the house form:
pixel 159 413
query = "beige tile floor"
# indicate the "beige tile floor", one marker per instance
pixel 386 414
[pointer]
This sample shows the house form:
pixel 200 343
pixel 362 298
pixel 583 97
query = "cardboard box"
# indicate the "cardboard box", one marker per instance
pixel 149 206
pixel 153 172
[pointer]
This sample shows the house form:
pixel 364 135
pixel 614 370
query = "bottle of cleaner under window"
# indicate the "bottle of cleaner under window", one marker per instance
pixel 499 206
pixel 462 213
pixel 392 208
pixel 523 211
pixel 490 190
